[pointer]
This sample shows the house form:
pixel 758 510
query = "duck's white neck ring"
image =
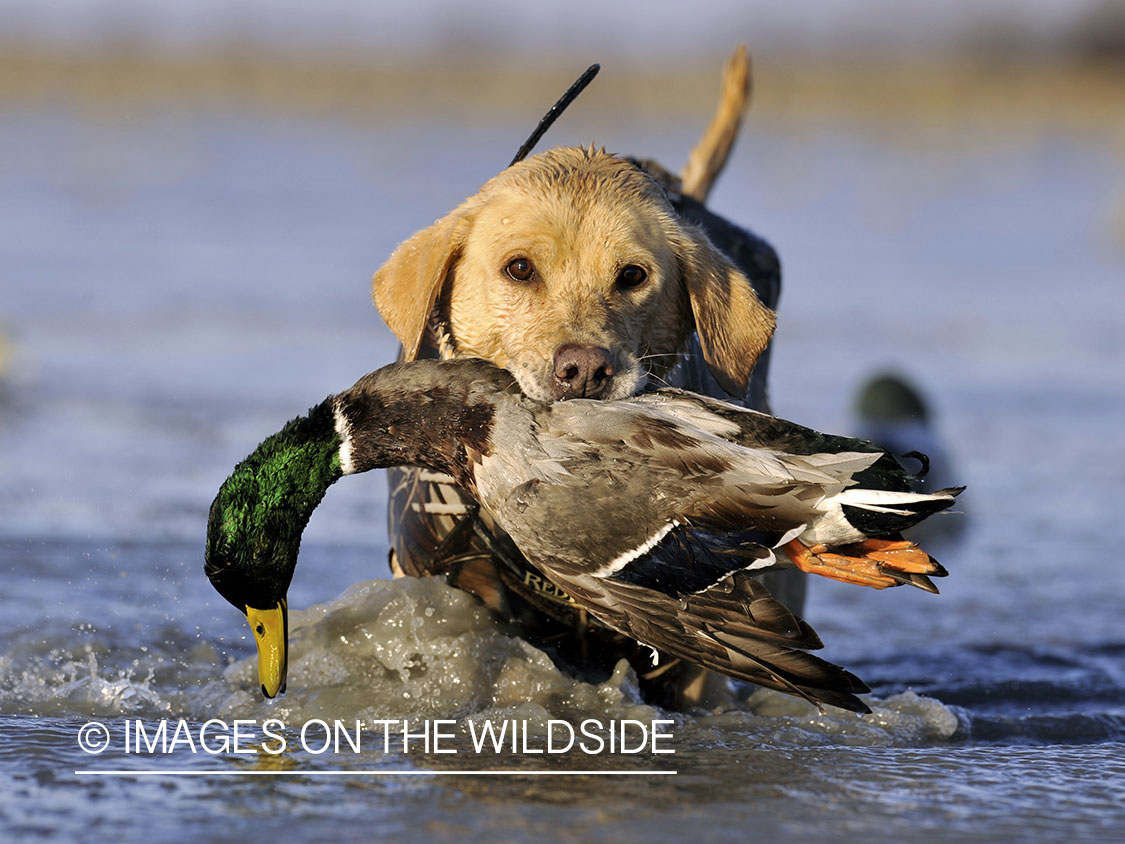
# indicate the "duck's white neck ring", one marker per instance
pixel 344 432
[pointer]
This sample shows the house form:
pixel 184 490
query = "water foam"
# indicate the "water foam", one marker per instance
pixel 904 719
pixel 418 648
pixel 406 649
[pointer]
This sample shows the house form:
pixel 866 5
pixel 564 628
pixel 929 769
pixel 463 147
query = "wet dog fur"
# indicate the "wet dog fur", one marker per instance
pixel 573 270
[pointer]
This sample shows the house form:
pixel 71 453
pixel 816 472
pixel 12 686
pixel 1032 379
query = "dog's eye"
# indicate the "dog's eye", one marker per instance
pixel 631 276
pixel 520 269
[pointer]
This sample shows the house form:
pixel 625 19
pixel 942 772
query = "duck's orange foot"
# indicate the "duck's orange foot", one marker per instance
pixel 877 563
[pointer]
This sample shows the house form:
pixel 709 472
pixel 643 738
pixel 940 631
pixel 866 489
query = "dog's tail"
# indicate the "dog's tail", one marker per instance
pixel 709 157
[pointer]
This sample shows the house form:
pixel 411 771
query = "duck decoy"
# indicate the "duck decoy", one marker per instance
pixel 893 412
pixel 655 513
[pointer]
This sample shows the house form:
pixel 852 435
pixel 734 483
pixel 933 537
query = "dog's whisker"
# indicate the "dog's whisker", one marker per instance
pixel 655 355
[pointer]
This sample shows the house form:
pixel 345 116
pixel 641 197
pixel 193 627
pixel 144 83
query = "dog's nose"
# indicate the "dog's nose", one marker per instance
pixel 581 372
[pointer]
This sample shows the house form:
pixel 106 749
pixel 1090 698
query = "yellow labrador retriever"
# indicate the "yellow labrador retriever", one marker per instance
pixel 585 275
pixel 573 270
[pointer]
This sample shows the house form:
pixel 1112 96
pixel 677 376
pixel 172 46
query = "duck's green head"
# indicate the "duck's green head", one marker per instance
pixel 255 526
pixel 426 413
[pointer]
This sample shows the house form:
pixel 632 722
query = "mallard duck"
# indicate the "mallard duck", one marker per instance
pixel 655 513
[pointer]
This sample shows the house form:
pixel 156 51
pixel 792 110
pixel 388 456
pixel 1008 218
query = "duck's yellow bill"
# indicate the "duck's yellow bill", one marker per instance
pixel 271 635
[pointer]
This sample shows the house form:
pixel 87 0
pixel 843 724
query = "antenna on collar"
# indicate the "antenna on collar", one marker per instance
pixel 556 110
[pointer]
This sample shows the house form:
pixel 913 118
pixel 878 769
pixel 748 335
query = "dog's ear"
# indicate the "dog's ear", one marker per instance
pixel 733 325
pixel 407 285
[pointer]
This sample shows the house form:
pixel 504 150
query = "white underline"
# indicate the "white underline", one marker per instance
pixel 488 773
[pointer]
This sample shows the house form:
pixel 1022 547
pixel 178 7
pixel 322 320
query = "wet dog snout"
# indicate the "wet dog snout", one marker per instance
pixel 582 372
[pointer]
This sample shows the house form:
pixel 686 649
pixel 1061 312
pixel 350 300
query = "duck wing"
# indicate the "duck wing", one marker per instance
pixel 685 591
pixel 756 430
pixel 733 626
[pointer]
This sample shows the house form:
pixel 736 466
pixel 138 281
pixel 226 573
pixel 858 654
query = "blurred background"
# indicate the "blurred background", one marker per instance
pixel 195 193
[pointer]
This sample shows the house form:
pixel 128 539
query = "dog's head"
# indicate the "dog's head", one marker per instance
pixel 572 270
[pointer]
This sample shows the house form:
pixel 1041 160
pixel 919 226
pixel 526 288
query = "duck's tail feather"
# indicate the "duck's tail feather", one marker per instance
pixel 882 513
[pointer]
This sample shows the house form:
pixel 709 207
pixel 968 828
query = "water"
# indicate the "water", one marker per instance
pixel 178 283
